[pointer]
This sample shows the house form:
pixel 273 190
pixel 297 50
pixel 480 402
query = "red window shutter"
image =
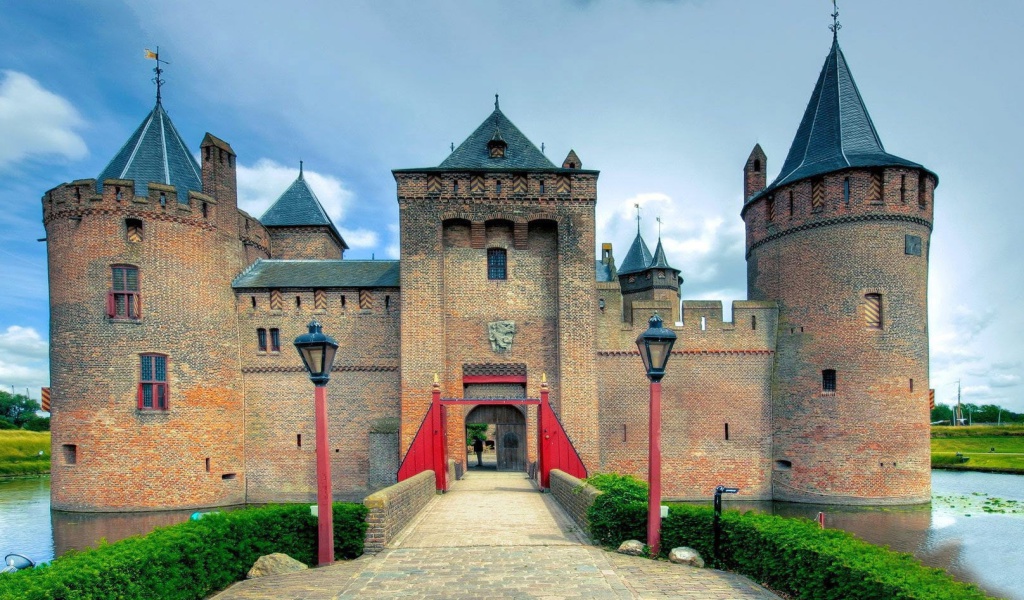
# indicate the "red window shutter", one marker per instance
pixel 111 310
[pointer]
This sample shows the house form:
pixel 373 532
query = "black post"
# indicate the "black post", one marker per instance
pixel 717 520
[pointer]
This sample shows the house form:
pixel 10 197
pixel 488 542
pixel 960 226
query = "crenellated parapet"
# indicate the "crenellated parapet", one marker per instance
pixel 79 199
pixel 857 195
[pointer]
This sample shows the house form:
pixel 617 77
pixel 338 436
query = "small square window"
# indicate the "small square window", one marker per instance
pixel 497 265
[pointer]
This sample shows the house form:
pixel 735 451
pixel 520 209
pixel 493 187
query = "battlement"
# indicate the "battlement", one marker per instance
pixel 852 195
pixel 79 198
pixel 753 326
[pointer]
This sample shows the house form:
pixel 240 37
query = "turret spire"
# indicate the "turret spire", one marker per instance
pixel 157 80
pixel 835 26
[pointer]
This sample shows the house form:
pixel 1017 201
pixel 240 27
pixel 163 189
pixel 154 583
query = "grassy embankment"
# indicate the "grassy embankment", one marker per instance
pixel 19 452
pixel 988 448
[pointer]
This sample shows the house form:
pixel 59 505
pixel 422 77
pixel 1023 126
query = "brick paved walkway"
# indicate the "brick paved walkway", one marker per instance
pixel 494 536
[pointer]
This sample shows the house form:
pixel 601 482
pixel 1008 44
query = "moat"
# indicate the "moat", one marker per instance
pixel 955 532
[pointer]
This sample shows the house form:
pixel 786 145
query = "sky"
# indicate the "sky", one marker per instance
pixel 665 98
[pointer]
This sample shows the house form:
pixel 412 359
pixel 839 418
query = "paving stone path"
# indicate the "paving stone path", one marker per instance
pixel 494 536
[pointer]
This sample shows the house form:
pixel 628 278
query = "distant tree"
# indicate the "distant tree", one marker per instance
pixel 942 412
pixel 476 431
pixel 37 423
pixel 17 408
pixel 5 424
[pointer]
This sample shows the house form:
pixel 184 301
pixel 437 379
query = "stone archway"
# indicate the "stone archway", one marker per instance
pixel 509 435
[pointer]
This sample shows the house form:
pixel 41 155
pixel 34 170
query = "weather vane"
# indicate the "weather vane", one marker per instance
pixel 157 80
pixel 658 219
pixel 637 207
pixel 836 25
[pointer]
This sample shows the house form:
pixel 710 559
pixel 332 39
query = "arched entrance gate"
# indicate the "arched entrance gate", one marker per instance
pixel 429 449
pixel 509 433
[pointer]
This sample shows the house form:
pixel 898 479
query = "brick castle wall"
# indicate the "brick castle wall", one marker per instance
pixel 868 442
pixel 394 507
pixel 310 243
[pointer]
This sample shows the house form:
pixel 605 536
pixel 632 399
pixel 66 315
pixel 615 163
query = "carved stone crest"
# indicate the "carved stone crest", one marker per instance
pixel 501 333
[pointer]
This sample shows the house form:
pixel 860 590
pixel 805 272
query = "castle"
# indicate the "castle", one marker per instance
pixel 174 384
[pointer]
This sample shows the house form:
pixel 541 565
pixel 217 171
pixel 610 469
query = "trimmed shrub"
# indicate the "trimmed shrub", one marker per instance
pixel 793 556
pixel 190 560
pixel 799 558
pixel 620 513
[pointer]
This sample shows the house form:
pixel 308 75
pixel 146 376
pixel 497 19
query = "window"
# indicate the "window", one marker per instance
pixel 497 264
pixel 133 230
pixel 753 321
pixel 153 382
pixel 770 208
pixel 873 310
pixel 455 186
pixel 542 188
pixel 846 191
pixel 497 187
pixel 757 166
pixel 70 452
pixel 275 340
pixel 903 188
pixel 123 298
pixel 828 382
pixel 791 203
pixel 261 339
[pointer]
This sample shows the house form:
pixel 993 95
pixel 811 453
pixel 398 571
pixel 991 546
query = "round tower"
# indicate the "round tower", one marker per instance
pixel 840 241
pixel 145 378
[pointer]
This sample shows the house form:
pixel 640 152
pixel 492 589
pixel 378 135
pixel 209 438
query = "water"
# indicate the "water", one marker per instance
pixel 981 548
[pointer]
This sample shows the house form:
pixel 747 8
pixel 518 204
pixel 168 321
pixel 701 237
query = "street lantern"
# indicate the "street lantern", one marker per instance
pixel 655 346
pixel 317 351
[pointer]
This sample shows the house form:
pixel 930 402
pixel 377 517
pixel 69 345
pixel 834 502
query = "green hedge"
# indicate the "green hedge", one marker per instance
pixel 793 556
pixel 188 561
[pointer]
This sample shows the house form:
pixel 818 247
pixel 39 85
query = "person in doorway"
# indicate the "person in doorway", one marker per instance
pixel 478 447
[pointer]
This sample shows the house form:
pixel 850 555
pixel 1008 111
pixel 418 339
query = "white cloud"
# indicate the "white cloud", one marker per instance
pixel 35 121
pixel 359 238
pixel 1004 380
pixel 264 182
pixel 24 358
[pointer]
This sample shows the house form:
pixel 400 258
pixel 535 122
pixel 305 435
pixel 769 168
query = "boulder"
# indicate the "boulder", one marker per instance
pixel 632 548
pixel 274 564
pixel 686 556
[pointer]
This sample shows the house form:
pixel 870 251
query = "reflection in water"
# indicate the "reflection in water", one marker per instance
pixel 78 531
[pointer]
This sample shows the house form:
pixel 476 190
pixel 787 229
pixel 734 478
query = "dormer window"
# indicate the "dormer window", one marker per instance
pixel 496 147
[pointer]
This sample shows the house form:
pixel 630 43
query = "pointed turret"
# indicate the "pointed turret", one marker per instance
pixel 638 257
pixel 497 135
pixel 572 161
pixel 155 153
pixel 836 131
pixel 755 172
pixel 296 214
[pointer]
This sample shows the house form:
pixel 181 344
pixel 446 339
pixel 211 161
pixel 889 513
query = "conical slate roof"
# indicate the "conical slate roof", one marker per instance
pixel 638 258
pixel 659 261
pixel 155 152
pixel 519 154
pixel 836 131
pixel 298 206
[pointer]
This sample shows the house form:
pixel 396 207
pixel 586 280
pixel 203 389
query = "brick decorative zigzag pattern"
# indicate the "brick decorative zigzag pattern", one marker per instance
pixel 562 184
pixel 320 300
pixel 836 221
pixel 817 194
pixel 365 299
pixel 334 369
pixel 518 184
pixel 874 194
pixel 493 369
pixel 276 301
pixel 433 184
pixel 873 310
pixel 476 185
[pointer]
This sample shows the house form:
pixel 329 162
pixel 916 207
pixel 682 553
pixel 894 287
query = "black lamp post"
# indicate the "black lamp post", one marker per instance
pixel 655 346
pixel 317 351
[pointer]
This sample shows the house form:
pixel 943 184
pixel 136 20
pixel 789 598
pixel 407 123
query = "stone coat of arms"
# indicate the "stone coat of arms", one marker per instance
pixel 501 333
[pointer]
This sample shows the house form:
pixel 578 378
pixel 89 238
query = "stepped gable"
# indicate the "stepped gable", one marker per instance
pixel 272 273
pixel 298 206
pixel 836 131
pixel 155 153
pixel 518 152
pixel 638 258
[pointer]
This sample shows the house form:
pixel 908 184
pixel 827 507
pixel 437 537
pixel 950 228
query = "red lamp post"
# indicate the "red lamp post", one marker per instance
pixel 317 351
pixel 655 346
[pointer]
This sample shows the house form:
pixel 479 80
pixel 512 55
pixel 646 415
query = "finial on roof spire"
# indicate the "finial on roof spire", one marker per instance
pixel 453 146
pixel 637 207
pixel 300 169
pixel 496 102
pixel 542 147
pixel 836 25
pixel 157 80
pixel 658 219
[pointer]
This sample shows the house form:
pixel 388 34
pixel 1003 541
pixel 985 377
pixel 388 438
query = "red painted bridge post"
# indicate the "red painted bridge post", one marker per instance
pixel 654 472
pixel 324 505
pixel 543 442
pixel 439 450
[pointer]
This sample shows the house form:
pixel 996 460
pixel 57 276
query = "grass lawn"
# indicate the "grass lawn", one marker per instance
pixel 989 448
pixel 19 452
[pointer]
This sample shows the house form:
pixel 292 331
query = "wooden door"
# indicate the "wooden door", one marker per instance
pixel 511 445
